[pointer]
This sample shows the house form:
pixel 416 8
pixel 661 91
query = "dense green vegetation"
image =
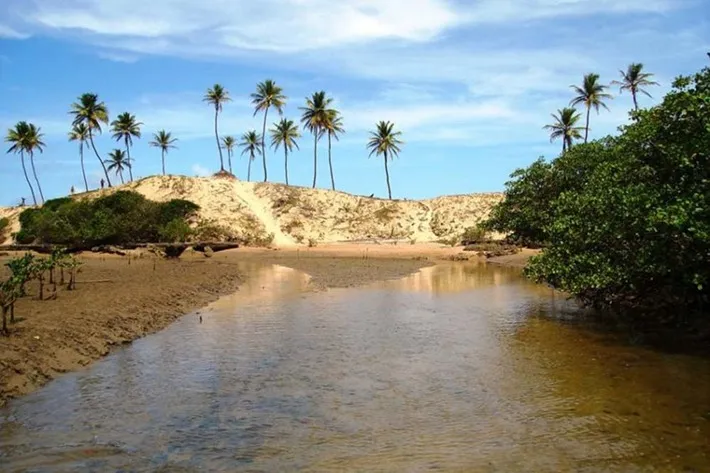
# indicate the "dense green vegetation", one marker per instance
pixel 122 217
pixel 625 221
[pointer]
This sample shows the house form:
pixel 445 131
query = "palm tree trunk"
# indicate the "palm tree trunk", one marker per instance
pixel 34 173
pixel 330 164
pixel 91 139
pixel 216 135
pixel 564 145
pixel 83 171
pixel 263 138
pixel 387 175
pixel 286 162
pixel 251 158
pixel 315 157
pixel 128 154
pixel 636 104
pixel 586 129
pixel 229 157
pixel 162 157
pixel 24 169
pixel 120 174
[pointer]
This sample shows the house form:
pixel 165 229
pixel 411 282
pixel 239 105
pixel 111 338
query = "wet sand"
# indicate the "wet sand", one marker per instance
pixel 120 299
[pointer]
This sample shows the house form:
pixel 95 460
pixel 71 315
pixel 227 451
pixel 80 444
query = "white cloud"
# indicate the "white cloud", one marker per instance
pixel 118 57
pixel 11 33
pixel 200 171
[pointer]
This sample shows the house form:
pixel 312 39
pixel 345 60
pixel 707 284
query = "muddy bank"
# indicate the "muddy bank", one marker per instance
pixel 120 299
pixel 329 270
pixel 518 260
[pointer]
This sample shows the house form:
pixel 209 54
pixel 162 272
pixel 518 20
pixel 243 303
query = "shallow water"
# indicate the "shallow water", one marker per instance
pixel 455 368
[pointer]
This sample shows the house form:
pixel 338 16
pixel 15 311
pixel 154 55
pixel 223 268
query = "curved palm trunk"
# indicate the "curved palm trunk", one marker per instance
pixel 162 157
pixel 34 173
pixel 83 171
pixel 128 155
pixel 120 174
pixel 216 135
pixel 330 163
pixel 387 175
pixel 93 146
pixel 263 138
pixel 586 128
pixel 286 162
pixel 636 104
pixel 24 169
pixel 251 158
pixel 229 158
pixel 315 158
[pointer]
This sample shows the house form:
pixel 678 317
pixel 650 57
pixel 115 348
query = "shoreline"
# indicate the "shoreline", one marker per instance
pixel 120 299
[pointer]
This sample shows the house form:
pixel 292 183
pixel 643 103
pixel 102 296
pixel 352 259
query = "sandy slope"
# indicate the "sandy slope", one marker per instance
pixel 296 215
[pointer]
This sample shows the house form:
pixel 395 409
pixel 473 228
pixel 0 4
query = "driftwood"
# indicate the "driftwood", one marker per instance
pixel 171 249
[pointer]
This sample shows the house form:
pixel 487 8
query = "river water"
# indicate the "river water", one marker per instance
pixel 456 368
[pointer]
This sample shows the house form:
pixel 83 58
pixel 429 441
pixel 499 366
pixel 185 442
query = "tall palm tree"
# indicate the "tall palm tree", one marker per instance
pixel 217 96
pixel 385 141
pixel 285 133
pixel 125 127
pixel 18 137
pixel 591 94
pixel 267 95
pixel 634 80
pixel 33 141
pixel 251 143
pixel 315 115
pixel 80 133
pixel 117 161
pixel 564 127
pixel 228 143
pixel 91 112
pixel 163 140
pixel 333 127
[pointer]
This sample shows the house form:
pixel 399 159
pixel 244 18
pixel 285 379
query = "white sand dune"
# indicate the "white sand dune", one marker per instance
pixel 298 215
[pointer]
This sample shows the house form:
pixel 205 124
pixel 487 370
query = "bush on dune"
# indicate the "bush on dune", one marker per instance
pixel 122 217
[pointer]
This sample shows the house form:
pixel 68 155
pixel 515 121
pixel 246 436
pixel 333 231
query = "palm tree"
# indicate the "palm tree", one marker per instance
pixel 314 118
pixel 228 143
pixel 267 95
pixel 591 94
pixel 18 136
pixel 333 126
pixel 217 96
pixel 125 127
pixel 163 140
pixel 251 143
pixel 385 141
pixel 80 133
pixel 564 127
pixel 634 80
pixel 89 111
pixel 285 133
pixel 117 161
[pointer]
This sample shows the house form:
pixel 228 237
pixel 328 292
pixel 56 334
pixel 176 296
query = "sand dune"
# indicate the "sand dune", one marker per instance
pixel 299 215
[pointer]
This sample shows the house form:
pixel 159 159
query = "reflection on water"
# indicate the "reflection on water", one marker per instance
pixel 451 369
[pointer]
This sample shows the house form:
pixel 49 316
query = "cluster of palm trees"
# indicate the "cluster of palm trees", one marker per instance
pixel 318 117
pixel 592 94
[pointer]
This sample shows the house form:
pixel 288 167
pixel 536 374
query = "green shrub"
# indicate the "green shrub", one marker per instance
pixel 176 230
pixel 627 219
pixel 121 217
pixel 4 226
pixel 473 235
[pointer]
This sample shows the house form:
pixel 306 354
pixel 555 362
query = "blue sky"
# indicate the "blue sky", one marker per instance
pixel 469 83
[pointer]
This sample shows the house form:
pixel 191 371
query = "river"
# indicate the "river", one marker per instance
pixel 455 368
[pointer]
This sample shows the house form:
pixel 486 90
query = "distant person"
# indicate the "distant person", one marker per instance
pixel 71 191
pixel 22 202
pixel 102 182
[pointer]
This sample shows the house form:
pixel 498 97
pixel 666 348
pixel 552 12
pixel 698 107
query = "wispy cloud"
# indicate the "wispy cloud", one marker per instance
pixel 11 33
pixel 118 57
pixel 200 171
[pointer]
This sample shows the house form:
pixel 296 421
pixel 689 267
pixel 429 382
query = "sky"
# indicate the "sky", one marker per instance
pixel 469 83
